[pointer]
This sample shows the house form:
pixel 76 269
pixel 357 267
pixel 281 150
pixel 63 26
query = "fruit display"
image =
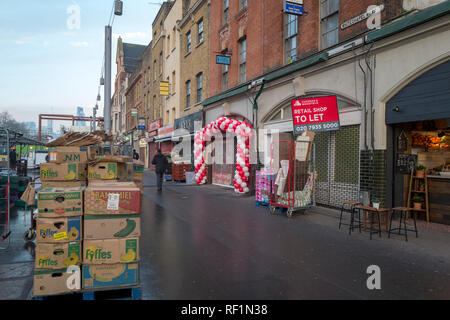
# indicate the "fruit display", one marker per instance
pixel 429 141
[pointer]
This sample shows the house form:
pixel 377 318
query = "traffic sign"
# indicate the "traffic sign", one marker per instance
pixel 223 60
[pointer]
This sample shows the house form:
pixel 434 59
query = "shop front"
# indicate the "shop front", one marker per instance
pixel 152 145
pixel 418 120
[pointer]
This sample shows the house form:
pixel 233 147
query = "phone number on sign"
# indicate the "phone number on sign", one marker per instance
pixel 318 127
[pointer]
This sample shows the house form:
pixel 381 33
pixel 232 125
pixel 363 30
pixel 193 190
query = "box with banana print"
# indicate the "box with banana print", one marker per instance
pixel 110 251
pixel 63 171
pixel 58 230
pixel 57 255
pixel 98 227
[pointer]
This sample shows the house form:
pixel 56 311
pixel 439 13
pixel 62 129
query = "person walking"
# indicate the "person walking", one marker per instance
pixel 160 162
pixel 135 155
pixel 13 158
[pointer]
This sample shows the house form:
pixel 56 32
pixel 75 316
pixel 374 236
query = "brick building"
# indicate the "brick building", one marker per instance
pixel 335 48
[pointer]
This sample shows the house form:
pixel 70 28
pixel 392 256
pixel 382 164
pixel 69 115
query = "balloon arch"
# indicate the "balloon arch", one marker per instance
pixel 243 132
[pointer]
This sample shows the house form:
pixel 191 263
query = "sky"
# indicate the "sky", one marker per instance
pixel 51 60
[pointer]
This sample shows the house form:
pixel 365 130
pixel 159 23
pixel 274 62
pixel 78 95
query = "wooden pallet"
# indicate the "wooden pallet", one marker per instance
pixel 120 293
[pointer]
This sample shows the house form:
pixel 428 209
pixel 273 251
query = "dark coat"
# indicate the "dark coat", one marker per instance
pixel 160 162
pixel 135 156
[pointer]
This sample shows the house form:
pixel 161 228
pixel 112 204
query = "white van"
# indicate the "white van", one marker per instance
pixel 35 158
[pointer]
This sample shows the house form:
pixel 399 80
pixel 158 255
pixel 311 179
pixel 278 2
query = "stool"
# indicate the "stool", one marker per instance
pixel 403 211
pixel 351 206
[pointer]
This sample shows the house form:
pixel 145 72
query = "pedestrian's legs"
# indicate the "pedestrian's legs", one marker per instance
pixel 159 177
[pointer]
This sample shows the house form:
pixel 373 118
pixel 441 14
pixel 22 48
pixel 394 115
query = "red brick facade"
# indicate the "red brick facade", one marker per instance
pixel 262 23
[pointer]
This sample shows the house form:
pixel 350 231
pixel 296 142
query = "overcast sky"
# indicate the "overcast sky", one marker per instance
pixel 48 64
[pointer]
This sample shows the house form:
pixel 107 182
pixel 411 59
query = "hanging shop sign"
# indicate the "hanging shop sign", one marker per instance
pixel 315 114
pixel 134 112
pixel 142 143
pixel 141 124
pixel 293 7
pixel 362 16
pixel 153 128
pixel 164 88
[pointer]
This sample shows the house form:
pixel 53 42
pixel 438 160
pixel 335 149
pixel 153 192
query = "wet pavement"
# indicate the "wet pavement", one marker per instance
pixel 205 242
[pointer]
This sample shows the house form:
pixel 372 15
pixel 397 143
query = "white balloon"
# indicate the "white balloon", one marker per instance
pixel 245 169
pixel 247 174
pixel 246 190
pixel 244 184
pixel 239 181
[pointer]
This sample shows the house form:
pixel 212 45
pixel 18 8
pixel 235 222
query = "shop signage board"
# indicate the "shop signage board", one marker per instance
pixel 141 124
pixel 223 60
pixel 154 126
pixel 293 7
pixel 188 123
pixel 362 17
pixel 164 88
pixel 405 162
pixel 134 112
pixel 315 114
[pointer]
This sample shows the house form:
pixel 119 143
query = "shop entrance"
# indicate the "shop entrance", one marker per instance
pixel 337 165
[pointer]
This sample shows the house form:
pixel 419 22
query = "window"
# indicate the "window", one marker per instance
pixel 188 94
pixel 242 60
pixel 173 37
pixel 173 115
pixel 290 38
pixel 188 44
pixel 168 44
pixel 329 22
pixel 242 4
pixel 160 63
pixel 154 70
pixel 200 31
pixel 199 87
pixel 225 11
pixel 173 82
pixel 224 77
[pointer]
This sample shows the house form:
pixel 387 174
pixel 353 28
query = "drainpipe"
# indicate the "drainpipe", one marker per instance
pixel 255 117
pixel 372 138
pixel 365 98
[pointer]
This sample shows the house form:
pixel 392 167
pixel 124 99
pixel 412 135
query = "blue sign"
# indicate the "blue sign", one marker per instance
pixel 223 60
pixel 293 7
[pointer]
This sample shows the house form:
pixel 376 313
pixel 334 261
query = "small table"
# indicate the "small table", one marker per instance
pixel 373 211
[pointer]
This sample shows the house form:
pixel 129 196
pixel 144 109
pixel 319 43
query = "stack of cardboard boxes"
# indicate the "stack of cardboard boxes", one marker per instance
pixel 95 227
pixel 59 222
pixel 111 226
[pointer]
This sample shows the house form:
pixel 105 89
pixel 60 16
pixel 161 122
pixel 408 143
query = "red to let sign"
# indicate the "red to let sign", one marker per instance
pixel 315 114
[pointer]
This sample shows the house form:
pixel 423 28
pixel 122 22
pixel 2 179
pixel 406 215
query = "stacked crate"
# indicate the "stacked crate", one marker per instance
pixel 59 223
pixel 179 171
pixel 111 227
pixel 264 184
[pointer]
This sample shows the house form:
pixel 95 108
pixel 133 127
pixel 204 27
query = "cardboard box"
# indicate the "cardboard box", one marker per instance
pixel 110 251
pixel 112 198
pixel 97 227
pixel 60 202
pixel 57 255
pixel 58 230
pixel 56 281
pixel 68 155
pixel 63 184
pixel 110 275
pixel 63 172
pixel 108 171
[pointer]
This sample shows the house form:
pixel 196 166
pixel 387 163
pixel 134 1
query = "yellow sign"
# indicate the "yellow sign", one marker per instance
pixel 60 236
pixel 164 88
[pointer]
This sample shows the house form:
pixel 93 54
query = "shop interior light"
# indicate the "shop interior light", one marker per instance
pixel 396 109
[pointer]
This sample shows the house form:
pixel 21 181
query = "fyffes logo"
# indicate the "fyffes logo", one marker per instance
pixel 45 233
pixel 48 173
pixel 94 253
pixel 47 262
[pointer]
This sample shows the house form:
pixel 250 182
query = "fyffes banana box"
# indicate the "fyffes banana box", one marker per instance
pixel 63 184
pixel 97 227
pixel 110 275
pixel 56 281
pixel 60 202
pixel 108 198
pixel 108 171
pixel 68 154
pixel 63 172
pixel 110 251
pixel 57 255
pixel 58 230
